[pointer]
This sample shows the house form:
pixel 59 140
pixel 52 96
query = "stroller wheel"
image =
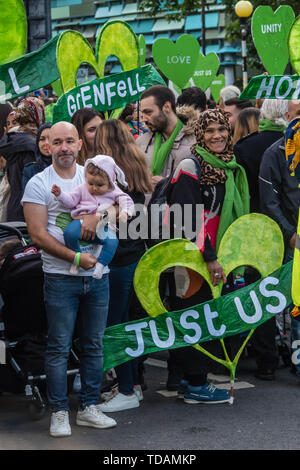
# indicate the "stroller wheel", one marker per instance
pixel 36 411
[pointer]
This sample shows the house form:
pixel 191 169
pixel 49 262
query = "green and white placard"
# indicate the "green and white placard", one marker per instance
pixel 270 32
pixel 177 61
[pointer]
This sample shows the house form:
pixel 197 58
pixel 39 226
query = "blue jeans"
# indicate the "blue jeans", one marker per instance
pixel 120 283
pixel 65 297
pixel 105 237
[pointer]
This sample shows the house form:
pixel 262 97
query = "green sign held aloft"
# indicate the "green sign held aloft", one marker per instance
pixel 216 86
pixel 270 32
pixel 177 61
pixel 206 70
pixel 224 316
pixel 13 30
pixel 110 92
pixel 294 45
pixel 30 72
pixel 277 87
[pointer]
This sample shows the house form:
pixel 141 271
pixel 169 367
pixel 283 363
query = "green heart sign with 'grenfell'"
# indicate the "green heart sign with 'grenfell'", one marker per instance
pixel 270 32
pixel 177 61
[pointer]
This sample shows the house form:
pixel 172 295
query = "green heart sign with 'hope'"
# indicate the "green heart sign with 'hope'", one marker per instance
pixel 216 86
pixel 294 45
pixel 177 61
pixel 270 32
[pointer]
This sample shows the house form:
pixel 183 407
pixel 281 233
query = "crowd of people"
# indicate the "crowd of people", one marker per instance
pixel 228 157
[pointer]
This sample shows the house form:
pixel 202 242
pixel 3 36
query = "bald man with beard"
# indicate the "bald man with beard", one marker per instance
pixel 67 296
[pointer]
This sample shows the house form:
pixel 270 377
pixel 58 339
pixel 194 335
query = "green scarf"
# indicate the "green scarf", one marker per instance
pixel 236 202
pixel 162 151
pixel 267 125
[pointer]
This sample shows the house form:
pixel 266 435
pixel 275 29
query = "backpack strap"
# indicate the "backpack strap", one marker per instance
pixel 197 165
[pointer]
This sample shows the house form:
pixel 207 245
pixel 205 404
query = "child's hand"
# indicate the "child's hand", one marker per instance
pixel 123 217
pixel 56 190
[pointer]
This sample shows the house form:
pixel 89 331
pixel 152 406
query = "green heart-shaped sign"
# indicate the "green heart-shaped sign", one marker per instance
pixel 270 32
pixel 294 45
pixel 115 38
pixel 216 86
pixel 206 70
pixel 13 30
pixel 238 247
pixel 177 61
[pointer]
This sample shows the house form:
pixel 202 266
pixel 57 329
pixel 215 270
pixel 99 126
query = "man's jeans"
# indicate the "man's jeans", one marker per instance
pixel 65 296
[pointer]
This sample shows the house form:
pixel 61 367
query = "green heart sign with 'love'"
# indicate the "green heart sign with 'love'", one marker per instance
pixel 177 61
pixel 294 45
pixel 270 32
pixel 216 86
pixel 206 70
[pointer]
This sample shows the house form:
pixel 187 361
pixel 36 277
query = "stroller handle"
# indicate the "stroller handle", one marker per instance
pixel 12 229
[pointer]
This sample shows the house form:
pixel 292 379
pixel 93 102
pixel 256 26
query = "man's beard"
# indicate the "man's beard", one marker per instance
pixel 65 160
pixel 159 124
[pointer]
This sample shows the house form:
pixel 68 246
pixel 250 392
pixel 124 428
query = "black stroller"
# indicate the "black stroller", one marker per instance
pixel 23 321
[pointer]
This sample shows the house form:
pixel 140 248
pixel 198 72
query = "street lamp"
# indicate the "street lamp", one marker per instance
pixel 243 10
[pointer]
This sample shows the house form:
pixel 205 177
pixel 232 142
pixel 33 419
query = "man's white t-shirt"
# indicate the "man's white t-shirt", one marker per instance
pixel 38 190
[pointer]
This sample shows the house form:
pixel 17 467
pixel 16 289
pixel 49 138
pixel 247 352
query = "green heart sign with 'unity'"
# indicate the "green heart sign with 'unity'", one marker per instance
pixel 177 61
pixel 270 32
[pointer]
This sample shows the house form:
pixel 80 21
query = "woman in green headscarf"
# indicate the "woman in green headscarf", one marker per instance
pixel 222 189
pixel 221 193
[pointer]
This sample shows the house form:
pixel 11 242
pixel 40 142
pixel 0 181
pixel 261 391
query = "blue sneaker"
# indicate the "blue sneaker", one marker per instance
pixel 183 386
pixel 208 393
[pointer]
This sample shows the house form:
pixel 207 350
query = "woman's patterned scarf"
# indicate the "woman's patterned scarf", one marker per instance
pixel 30 115
pixel 292 145
pixel 209 174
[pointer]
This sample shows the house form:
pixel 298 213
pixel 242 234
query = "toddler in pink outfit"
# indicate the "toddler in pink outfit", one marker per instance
pixel 97 194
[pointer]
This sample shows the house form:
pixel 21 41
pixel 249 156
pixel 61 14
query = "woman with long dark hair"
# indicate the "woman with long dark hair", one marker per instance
pixel 86 121
pixel 114 139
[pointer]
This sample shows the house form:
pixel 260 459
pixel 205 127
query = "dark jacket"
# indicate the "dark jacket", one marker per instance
pixel 248 152
pixel 41 161
pixel 130 250
pixel 279 192
pixel 18 150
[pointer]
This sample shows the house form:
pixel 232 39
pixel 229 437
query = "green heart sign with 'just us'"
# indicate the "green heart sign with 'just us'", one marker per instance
pixel 177 61
pixel 270 32
pixel 206 70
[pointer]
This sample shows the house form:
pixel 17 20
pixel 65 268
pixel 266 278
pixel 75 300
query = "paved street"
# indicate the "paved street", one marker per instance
pixel 265 415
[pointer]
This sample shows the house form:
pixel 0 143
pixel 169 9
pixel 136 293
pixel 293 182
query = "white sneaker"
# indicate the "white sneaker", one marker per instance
pixel 138 391
pixel 92 416
pixel 120 402
pixel 59 426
